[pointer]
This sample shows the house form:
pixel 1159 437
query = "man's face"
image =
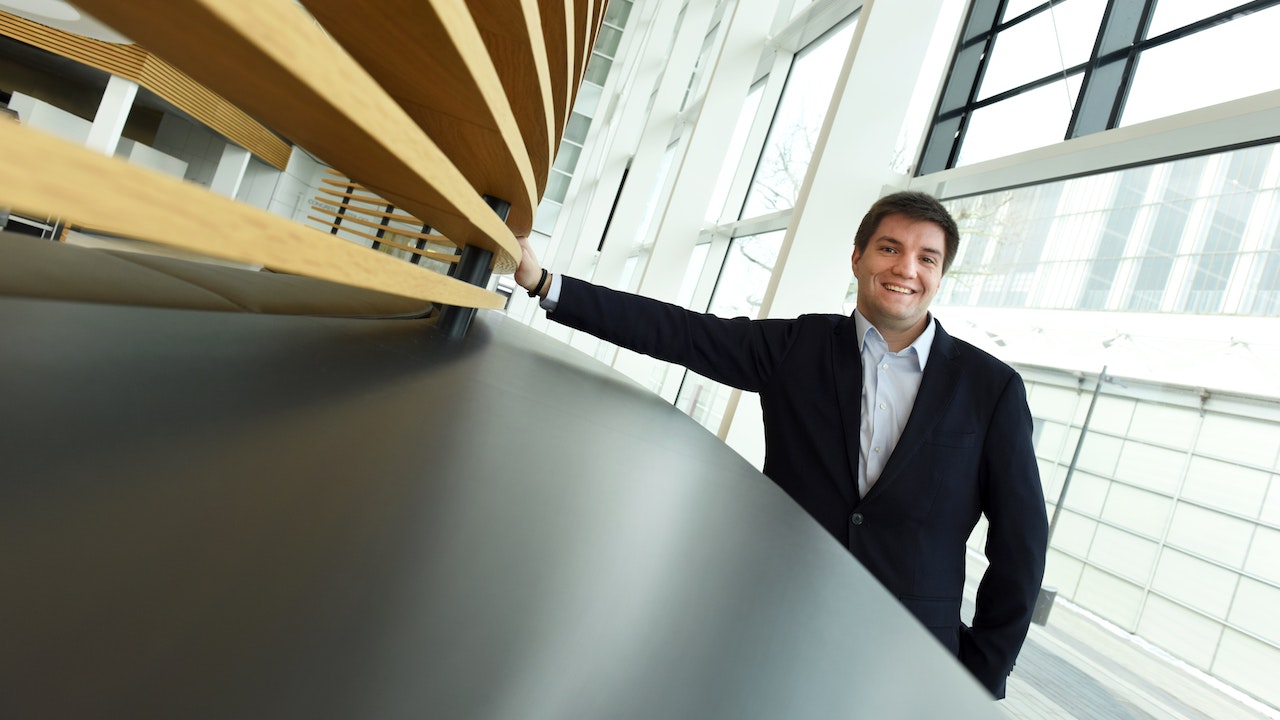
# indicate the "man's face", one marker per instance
pixel 899 272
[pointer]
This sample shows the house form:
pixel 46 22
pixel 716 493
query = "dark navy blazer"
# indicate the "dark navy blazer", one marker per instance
pixel 966 451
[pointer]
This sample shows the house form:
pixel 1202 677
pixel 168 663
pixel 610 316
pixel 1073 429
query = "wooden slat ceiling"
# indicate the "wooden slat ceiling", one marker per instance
pixel 512 30
pixel 430 104
pixel 451 90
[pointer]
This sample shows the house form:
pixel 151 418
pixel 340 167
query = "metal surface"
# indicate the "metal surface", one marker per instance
pixel 215 515
pixel 473 267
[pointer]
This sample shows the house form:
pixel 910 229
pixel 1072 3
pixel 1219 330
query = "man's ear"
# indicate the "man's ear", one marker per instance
pixel 853 261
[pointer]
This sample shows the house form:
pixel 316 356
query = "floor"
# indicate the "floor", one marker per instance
pixel 1075 667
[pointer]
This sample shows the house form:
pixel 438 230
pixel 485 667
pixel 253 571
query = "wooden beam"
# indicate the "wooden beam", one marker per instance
pixel 377 225
pixel 512 30
pixel 453 91
pixel 134 63
pixel 557 32
pixel 398 217
pixel 105 193
pixel 432 254
pixel 272 59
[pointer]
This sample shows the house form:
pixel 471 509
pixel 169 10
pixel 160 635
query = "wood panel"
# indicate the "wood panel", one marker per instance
pixel 352 214
pixel 110 195
pixel 349 195
pixel 512 31
pixel 453 92
pixel 270 58
pixel 580 47
pixel 213 111
pixel 432 254
pixel 398 217
pixel 123 60
pixel 557 30
pixel 135 63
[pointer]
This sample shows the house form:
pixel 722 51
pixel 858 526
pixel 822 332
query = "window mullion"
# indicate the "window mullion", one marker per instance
pixel 1114 55
pixel 963 79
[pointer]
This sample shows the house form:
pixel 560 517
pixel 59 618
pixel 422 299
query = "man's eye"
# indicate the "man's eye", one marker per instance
pixel 930 259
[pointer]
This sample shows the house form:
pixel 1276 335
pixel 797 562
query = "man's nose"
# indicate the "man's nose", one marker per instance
pixel 905 267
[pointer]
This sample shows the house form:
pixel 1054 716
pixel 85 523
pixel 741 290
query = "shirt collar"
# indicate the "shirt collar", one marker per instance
pixel 922 345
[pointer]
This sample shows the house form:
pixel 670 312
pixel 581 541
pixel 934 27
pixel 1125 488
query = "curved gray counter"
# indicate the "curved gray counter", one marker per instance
pixel 217 515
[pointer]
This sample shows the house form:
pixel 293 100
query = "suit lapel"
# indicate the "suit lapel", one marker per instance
pixel 937 388
pixel 846 364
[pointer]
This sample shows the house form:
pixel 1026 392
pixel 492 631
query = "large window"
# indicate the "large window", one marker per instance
pixel 797 123
pixel 1170 525
pixel 1196 235
pixel 1237 57
pixel 1027 74
pixel 739 292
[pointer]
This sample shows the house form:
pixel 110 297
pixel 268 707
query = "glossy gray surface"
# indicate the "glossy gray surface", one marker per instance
pixel 223 515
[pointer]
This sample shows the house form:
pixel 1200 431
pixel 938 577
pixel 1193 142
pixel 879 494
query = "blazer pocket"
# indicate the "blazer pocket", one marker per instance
pixel 959 440
pixel 933 612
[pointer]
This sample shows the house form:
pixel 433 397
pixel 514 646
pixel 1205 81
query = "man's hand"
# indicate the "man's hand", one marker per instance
pixel 529 272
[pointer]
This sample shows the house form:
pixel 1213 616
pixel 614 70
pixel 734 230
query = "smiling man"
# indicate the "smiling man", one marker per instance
pixel 893 435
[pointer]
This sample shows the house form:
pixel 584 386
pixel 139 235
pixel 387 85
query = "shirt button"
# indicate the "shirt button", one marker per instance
pixel 884 366
pixel 883 406
pixel 856 519
pixel 876 449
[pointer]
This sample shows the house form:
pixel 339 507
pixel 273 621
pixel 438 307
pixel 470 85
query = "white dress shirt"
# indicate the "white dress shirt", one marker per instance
pixel 890 382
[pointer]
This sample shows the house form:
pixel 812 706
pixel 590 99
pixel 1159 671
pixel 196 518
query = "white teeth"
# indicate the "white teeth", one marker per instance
pixel 897 289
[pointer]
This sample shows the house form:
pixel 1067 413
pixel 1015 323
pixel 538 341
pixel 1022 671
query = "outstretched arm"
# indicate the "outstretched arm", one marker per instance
pixel 738 352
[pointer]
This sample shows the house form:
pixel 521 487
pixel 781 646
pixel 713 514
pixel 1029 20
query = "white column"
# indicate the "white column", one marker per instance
pixel 230 171
pixel 108 123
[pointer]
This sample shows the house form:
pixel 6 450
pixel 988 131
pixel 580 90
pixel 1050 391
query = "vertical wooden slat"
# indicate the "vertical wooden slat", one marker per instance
pixel 512 30
pixel 557 33
pixel 453 92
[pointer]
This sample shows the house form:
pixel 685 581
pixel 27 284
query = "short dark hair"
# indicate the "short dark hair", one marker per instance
pixel 916 206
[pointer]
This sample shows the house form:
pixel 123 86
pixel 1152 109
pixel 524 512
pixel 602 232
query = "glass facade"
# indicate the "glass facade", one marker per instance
pixel 739 292
pixel 795 127
pixel 1196 235
pixel 1238 54
pixel 1036 74
pixel 1170 525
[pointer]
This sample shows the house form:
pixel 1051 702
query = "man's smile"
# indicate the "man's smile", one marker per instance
pixel 899 289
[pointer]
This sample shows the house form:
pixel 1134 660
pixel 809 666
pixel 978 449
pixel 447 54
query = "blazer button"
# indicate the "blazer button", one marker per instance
pixel 856 519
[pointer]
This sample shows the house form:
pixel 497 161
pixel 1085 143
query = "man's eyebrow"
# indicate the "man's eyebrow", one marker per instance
pixel 889 239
